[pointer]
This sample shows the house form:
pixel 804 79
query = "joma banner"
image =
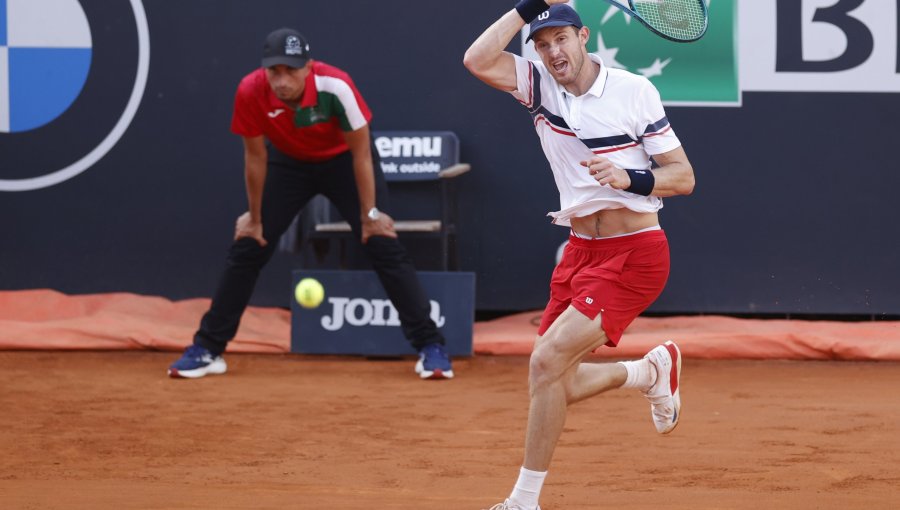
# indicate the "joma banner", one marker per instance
pixel 356 317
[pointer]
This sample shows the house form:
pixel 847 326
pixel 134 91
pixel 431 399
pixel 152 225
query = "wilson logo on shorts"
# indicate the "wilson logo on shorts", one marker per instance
pixel 65 86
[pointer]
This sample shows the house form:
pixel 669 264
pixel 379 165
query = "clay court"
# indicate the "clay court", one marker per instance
pixel 91 421
pixel 88 430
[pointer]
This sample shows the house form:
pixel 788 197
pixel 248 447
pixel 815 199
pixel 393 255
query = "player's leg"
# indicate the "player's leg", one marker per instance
pixel 590 379
pixel 395 271
pixel 657 375
pixel 552 374
pixel 599 287
pixel 639 278
pixel 554 362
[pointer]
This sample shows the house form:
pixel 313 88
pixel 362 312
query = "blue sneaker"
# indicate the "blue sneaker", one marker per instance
pixel 196 362
pixel 434 363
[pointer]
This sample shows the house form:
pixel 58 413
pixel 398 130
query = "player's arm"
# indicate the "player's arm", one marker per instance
pixel 249 224
pixel 486 58
pixel 364 173
pixel 673 176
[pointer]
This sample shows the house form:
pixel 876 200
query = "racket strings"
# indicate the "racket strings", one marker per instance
pixel 680 19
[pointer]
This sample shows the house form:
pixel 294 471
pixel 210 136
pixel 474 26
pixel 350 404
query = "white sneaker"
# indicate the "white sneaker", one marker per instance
pixel 506 505
pixel 664 395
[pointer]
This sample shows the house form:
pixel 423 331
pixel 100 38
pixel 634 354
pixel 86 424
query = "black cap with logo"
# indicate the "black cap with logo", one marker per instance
pixel 285 46
pixel 558 15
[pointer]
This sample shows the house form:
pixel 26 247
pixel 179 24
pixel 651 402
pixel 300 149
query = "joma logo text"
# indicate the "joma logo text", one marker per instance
pixel 369 312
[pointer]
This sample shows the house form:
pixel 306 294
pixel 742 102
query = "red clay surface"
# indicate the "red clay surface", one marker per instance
pixel 94 430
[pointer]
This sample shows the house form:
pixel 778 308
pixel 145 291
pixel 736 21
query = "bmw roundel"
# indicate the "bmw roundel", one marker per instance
pixel 72 75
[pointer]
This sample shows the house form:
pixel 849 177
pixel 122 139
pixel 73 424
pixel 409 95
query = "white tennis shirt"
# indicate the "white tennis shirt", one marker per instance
pixel 621 118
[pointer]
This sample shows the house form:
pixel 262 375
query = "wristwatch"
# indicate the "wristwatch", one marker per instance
pixel 374 214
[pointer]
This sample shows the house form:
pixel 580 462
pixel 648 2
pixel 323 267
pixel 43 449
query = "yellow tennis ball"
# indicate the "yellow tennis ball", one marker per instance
pixel 309 293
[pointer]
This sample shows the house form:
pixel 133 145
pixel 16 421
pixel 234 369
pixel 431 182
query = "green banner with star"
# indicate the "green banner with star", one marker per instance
pixel 703 72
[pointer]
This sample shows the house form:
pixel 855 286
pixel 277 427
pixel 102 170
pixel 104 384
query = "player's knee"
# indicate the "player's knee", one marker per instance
pixel 544 368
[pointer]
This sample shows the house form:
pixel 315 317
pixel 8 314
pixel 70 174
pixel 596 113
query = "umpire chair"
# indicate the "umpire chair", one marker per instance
pixel 420 168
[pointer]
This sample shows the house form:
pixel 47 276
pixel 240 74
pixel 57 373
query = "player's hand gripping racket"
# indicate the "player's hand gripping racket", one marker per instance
pixel 676 20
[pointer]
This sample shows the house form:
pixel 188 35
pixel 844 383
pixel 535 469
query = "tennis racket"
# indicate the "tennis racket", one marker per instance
pixel 675 20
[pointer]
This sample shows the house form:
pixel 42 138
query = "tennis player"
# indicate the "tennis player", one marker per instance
pixel 601 130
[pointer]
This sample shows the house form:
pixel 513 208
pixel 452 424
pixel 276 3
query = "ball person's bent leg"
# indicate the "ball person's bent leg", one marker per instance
pixel 286 192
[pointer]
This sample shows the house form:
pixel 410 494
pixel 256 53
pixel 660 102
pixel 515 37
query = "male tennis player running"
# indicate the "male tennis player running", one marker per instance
pixel 600 129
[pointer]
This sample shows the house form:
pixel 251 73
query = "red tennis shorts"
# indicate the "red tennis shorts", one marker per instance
pixel 618 277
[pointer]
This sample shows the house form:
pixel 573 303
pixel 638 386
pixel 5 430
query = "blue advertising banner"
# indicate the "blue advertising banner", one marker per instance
pixel 356 317
pixel 416 155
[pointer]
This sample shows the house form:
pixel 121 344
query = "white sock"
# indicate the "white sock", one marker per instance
pixel 528 489
pixel 641 374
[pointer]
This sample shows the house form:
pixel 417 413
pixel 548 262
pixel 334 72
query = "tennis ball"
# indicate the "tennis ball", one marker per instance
pixel 309 293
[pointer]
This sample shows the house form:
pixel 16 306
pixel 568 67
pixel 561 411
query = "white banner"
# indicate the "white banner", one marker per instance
pixel 850 46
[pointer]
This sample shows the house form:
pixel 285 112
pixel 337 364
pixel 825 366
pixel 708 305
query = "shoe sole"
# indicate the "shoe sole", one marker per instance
pixel 213 368
pixel 437 374
pixel 675 353
pixel 432 374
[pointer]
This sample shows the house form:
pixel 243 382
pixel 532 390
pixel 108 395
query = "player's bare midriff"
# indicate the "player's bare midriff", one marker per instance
pixel 611 222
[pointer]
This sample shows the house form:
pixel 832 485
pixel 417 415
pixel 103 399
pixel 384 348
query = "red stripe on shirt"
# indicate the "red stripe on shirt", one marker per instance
pixel 614 149
pixel 659 132
pixel 554 128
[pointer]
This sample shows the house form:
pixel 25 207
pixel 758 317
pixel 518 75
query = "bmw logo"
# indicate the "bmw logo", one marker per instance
pixel 72 75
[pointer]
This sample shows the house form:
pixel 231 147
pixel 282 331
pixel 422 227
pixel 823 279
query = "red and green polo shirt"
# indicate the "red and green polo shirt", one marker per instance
pixel 330 105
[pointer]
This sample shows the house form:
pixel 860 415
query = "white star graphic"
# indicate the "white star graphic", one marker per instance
pixel 655 69
pixel 612 12
pixel 608 54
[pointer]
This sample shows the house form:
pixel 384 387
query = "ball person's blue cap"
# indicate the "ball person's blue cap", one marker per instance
pixel 285 46
pixel 558 15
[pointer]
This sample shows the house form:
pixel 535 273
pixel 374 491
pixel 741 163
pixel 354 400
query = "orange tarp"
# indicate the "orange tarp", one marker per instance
pixel 46 319
pixel 717 337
